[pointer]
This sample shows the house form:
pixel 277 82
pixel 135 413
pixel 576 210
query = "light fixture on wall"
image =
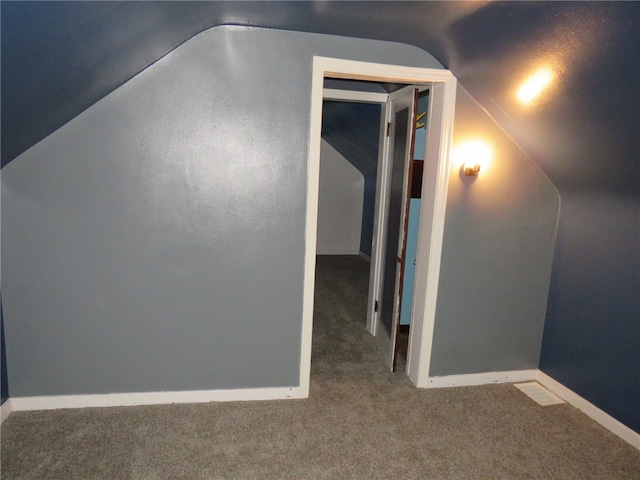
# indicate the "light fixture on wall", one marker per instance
pixel 471 171
pixel 472 156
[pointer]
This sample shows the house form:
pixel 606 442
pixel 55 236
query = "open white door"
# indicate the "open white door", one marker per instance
pixel 400 131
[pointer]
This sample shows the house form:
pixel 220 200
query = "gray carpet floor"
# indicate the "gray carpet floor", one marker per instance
pixel 360 422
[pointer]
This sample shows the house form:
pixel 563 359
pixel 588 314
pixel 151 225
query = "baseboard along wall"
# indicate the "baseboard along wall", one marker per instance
pixel 54 402
pixel 337 252
pixel 365 256
pixel 588 408
pixel 5 410
pixel 555 387
pixel 486 378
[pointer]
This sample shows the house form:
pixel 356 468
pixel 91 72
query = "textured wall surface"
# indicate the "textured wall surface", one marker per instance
pixel 340 199
pixel 496 259
pixel 353 129
pixel 59 58
pixel 156 241
pixel 4 384
pixel 592 330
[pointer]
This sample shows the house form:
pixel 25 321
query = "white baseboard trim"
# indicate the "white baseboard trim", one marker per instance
pixel 5 410
pixel 603 418
pixel 337 252
pixel 471 379
pixel 365 256
pixel 555 387
pixel 54 402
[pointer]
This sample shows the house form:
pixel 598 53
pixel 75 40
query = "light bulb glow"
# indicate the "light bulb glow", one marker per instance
pixel 535 85
pixel 472 152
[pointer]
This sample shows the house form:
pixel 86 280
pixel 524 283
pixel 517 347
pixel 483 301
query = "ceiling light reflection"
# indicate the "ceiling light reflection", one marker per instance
pixel 534 85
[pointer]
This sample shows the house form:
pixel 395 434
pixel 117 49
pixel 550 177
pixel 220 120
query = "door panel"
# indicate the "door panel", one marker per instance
pixel 402 119
pixel 396 204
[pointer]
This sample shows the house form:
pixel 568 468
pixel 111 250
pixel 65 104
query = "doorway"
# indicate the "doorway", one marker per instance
pixel 442 85
pixel 342 348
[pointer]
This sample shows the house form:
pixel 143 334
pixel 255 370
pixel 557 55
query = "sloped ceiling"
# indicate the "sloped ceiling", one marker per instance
pixel 58 58
pixel 359 145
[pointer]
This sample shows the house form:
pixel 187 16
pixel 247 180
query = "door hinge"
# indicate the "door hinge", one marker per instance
pixel 375 307
pixel 388 129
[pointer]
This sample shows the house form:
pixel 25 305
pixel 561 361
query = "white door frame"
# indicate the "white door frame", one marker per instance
pixel 434 193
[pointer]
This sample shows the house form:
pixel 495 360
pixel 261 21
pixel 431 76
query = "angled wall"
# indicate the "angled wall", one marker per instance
pixel 583 133
pixel 340 200
pixel 156 241
pixel 4 384
pixel 496 260
pixel 353 129
pixel 592 333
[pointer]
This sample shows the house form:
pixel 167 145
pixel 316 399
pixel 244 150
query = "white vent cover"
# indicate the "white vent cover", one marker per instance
pixel 538 393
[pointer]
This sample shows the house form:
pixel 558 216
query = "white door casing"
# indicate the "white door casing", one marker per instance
pixel 442 85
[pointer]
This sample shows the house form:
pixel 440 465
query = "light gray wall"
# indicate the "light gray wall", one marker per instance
pixel 156 241
pixel 496 260
pixel 340 202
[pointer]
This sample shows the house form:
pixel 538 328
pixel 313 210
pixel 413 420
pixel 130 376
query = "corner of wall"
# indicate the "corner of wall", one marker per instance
pixel 5 410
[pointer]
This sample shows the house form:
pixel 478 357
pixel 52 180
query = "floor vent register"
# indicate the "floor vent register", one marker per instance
pixel 538 393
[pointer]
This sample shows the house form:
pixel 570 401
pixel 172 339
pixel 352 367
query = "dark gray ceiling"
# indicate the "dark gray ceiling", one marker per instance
pixel 58 58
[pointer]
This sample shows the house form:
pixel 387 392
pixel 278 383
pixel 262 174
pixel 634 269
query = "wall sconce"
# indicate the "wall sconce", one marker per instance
pixel 471 171
pixel 472 156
